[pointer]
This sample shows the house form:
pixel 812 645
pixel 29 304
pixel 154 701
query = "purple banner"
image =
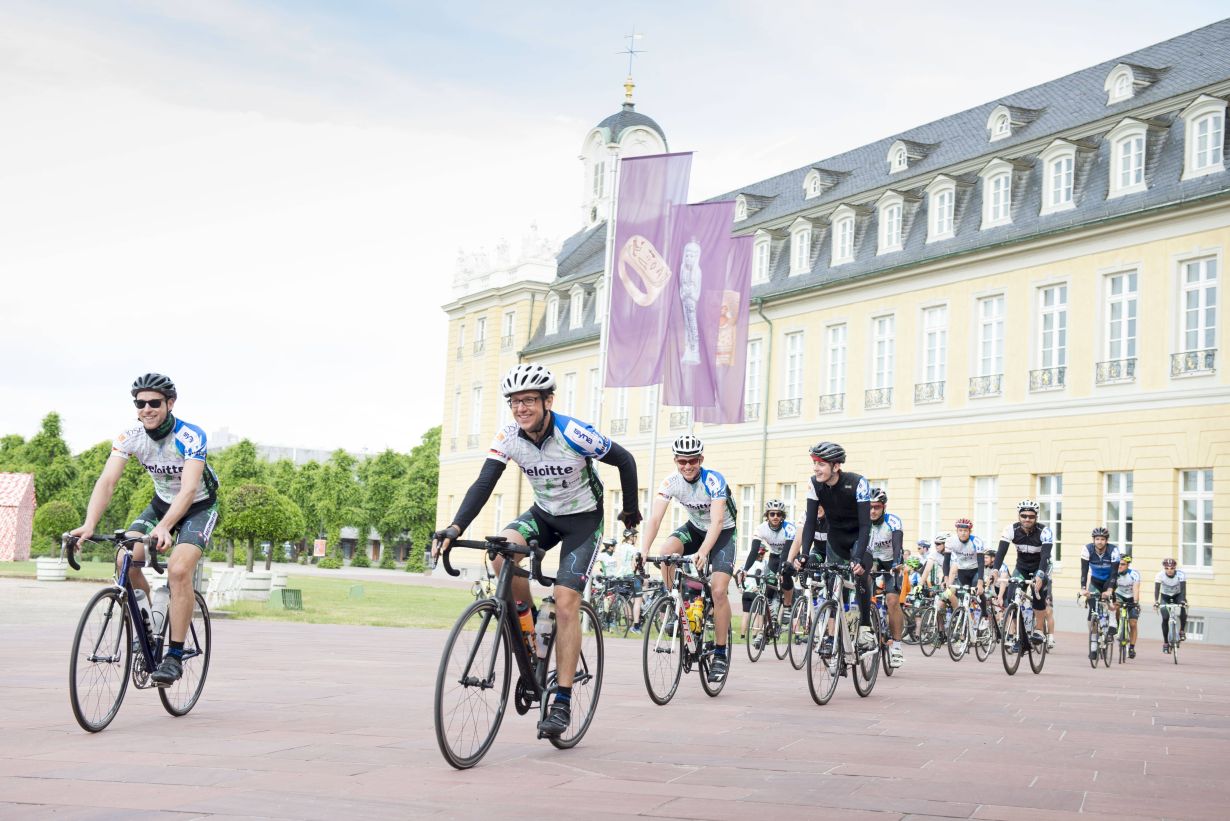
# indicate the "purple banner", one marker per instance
pixel 643 288
pixel 706 344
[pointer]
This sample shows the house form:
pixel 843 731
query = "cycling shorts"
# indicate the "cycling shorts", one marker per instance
pixel 892 584
pixel 195 528
pixel 721 557
pixel 578 533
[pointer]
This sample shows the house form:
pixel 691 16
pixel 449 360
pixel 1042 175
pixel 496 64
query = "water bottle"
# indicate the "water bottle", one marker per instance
pixel 1027 610
pixel 143 606
pixel 161 604
pixel 545 628
pixel 696 611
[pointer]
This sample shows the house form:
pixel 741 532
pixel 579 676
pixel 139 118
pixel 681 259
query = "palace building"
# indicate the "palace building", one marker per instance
pixel 1015 301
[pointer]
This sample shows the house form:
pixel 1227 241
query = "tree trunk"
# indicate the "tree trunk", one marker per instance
pixel 251 553
pixel 269 558
pixel 230 552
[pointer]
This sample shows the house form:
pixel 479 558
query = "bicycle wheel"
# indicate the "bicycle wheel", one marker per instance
pixel 781 634
pixel 926 633
pixel 181 697
pixel 1174 638
pixel 621 616
pixel 662 651
pixel 984 639
pixel 824 654
pixel 1108 646
pixel 1093 642
pixel 958 634
pixel 586 679
pixel 885 644
pixel 1011 649
pixel 712 688
pixel 800 631
pixel 1037 655
pixel 756 632
pixel 867 670
pixel 472 685
pixel 99 667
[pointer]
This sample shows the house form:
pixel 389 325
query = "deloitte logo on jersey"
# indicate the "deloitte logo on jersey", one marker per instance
pixel 165 469
pixel 542 471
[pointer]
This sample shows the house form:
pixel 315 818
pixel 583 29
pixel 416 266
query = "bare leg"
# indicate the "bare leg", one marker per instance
pixel 894 615
pixel 720 584
pixel 567 634
pixel 180 568
pixel 135 576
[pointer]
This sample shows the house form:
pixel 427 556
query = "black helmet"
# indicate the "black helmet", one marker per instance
pixel 829 452
pixel 1101 531
pixel 155 382
pixel 879 495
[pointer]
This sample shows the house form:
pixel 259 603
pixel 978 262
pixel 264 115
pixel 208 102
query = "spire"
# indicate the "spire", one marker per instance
pixel 628 86
pixel 631 50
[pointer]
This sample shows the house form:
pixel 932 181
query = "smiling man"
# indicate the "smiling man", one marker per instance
pixel 183 512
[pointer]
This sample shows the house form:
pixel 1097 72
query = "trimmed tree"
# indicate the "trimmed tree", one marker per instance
pixel 255 511
pixel 51 521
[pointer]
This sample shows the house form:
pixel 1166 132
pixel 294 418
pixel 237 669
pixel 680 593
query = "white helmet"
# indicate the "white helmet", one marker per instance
pixel 1027 504
pixel 527 377
pixel 688 445
pixel 942 538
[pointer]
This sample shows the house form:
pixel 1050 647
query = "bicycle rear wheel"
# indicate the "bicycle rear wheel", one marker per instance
pixel 1037 655
pixel 800 631
pixel 926 633
pixel 1108 647
pixel 958 635
pixel 472 685
pixel 662 651
pixel 99 667
pixel 984 639
pixel 867 670
pixel 824 654
pixel 621 621
pixel 755 628
pixel 586 679
pixel 707 654
pixel 1011 649
pixel 781 636
pixel 181 697
pixel 1174 638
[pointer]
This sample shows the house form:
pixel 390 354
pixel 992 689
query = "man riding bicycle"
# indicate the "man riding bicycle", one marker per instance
pixel 886 539
pixel 556 453
pixel 775 534
pixel 1033 543
pixel 1099 564
pixel 1170 587
pixel 185 503
pixel 1127 596
pixel 965 563
pixel 708 534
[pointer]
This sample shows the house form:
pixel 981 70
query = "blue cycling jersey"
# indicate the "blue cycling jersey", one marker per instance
pixel 1101 565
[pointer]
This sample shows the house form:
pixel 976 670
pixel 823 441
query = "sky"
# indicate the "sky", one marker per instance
pixel 266 200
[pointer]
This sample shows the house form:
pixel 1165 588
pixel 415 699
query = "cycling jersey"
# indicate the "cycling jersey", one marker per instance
pixel 560 470
pixel 608 564
pixel 1125 584
pixel 847 509
pixel 164 460
pixel 1170 585
pixel 1098 566
pixel 626 559
pixel 774 540
pixel 696 497
pixel 1033 549
pixel 884 547
pixel 965 555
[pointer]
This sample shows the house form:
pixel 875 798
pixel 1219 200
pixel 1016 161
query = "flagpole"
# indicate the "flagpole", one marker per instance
pixel 609 278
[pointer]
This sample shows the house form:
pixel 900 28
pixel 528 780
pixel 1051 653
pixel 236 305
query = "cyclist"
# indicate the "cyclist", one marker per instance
pixel 556 453
pixel 1033 543
pixel 185 501
pixel 935 570
pixel 776 534
pixel 1170 587
pixel 608 564
pixel 965 563
pixel 753 569
pixel 1127 596
pixel 846 500
pixel 886 539
pixel 630 565
pixel 708 534
pixel 1099 561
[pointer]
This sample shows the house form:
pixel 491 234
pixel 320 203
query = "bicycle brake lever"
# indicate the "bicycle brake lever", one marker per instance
pixel 68 545
pixel 151 551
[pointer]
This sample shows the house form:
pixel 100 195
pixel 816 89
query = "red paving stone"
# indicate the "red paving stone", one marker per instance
pixel 328 722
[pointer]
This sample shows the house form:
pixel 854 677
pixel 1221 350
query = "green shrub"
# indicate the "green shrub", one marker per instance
pixel 330 562
pixel 217 555
pixel 50 521
pixel 359 559
pixel 414 561
pixel 387 562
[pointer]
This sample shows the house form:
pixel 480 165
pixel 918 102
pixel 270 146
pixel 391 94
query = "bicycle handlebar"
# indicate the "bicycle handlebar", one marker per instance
pixel 69 543
pixel 500 545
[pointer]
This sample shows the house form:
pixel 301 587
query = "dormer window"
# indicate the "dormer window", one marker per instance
pixel 1123 86
pixel 576 307
pixel 1058 162
pixel 819 180
pixel 843 235
pixel 941 208
pixel 1125 80
pixel 812 186
pixel 1205 122
pixel 891 207
pixel 740 208
pixel 760 258
pixel 996 194
pixel 903 152
pixel 1128 146
pixel 800 247
pixel 899 160
pixel 552 321
pixel 1002 127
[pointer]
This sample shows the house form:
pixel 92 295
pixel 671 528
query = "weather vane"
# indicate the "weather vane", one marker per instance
pixel 631 50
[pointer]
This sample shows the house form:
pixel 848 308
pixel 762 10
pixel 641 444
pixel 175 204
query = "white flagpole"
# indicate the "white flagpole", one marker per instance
pixel 609 278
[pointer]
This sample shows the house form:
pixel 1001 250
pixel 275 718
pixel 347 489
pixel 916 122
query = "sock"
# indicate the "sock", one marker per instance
pixel 896 644
pixel 177 649
pixel 719 651
pixel 563 695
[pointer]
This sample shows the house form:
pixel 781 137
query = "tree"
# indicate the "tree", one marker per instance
pixel 382 479
pixel 337 497
pixel 54 519
pixel 239 464
pixel 255 511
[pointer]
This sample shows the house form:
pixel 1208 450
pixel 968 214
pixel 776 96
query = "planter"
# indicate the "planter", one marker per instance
pixel 279 580
pixel 256 586
pixel 52 570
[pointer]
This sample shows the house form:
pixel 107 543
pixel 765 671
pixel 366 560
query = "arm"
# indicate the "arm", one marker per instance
pixel 1084 573
pixel 898 539
pixel 1000 554
pixel 655 521
pixel 618 457
pixel 862 553
pixel 751 555
pixel 1136 592
pixel 809 529
pixel 189 481
pixel 478 494
pixel 1157 593
pixel 1183 592
pixel 101 496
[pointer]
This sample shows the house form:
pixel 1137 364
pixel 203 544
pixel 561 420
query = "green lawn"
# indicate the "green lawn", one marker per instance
pixel 93 571
pixel 330 601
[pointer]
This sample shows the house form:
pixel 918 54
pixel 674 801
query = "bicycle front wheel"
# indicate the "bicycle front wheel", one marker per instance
pixel 781 635
pixel 99 667
pixel 586 679
pixel 824 654
pixel 958 635
pixel 800 631
pixel 1037 655
pixel 621 617
pixel 1012 648
pixel 472 685
pixel 868 667
pixel 755 628
pixel 984 642
pixel 662 651
pixel 1108 647
pixel 181 697
pixel 926 633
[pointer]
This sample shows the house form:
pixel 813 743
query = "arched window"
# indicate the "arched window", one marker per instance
pixel 552 313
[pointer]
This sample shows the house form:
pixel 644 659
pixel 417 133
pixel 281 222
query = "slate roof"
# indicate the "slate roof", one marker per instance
pixel 627 117
pixel 1177 68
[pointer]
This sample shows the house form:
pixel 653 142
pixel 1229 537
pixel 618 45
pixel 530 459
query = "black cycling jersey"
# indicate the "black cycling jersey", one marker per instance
pixel 847 510
pixel 1033 549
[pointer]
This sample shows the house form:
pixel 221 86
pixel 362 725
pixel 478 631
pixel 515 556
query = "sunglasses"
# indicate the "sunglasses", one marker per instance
pixel 1029 515
pixel 776 513
pixel 153 403
pixel 695 460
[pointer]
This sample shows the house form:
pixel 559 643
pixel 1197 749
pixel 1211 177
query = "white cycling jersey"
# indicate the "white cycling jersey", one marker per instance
pixel 1125 583
pixel 881 539
pixel 560 470
pixel 164 459
pixel 775 540
pixel 696 497
pixel 1170 584
pixel 965 555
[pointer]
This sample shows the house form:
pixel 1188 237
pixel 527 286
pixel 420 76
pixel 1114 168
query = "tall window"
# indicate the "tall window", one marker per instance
pixel 760 261
pixel 1209 132
pixel 570 391
pixel 793 388
pixel 1000 187
pixel 595 394
pixel 614 509
pixel 576 308
pixel 510 323
pixel 935 343
pixel 1118 501
pixel 800 251
pixel 1050 507
pixel 1121 316
pixel 1059 181
pixel 480 329
pixel 1053 326
pixel 786 492
pixel 751 374
pixel 835 375
pixel 461 338
pixel 843 240
pixel 1130 161
pixel 457 411
pixel 1196 518
pixel 649 401
pixel 747 515
pixel 883 344
pixel 497 514
pixel 600 300
pixel 986 493
pixel 552 313
pixel 929 507
pixel 476 410
pixel 890 227
pixel 942 207
pixel 1200 304
pixel 991 335
pixel 621 404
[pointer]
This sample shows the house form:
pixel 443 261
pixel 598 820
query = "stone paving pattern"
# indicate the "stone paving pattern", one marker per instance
pixel 328 722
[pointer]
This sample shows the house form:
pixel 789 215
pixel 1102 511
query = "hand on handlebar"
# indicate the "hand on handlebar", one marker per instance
pixel 82 534
pixel 161 539
pixel 441 539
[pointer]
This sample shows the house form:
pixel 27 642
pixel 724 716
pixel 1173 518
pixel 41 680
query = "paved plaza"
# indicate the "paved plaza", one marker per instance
pixel 328 722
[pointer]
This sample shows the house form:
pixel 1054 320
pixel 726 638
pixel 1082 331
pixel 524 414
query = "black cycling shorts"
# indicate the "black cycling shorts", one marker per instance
pixel 195 528
pixel 721 557
pixel 579 534
pixel 779 565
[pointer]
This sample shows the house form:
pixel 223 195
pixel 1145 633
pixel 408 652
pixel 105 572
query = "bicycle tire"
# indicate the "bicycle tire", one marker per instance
pixel 756 615
pixel 983 647
pixel 781 639
pixel 115 631
pixel 1108 647
pixel 708 642
pixel 1037 656
pixel 1013 630
pixel 472 647
pixel 800 630
pixel 823 669
pixel 621 621
pixel 867 666
pixel 663 637
pixel 886 644
pixel 182 696
pixel 586 682
pixel 1175 641
pixel 958 634
pixel 926 632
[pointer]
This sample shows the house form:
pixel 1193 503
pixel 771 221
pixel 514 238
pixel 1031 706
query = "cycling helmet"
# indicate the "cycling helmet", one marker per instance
pixel 940 538
pixel 990 550
pixel 1101 531
pixel 609 541
pixel 688 445
pixel 1126 559
pixel 828 452
pixel 527 377
pixel 913 563
pixel 154 382
pixel 924 543
pixel 1169 563
pixel 879 495
pixel 965 523
pixel 1027 504
pixel 774 504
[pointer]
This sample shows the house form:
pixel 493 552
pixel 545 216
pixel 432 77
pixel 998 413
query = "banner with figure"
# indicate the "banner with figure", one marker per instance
pixel 643 287
pixel 707 336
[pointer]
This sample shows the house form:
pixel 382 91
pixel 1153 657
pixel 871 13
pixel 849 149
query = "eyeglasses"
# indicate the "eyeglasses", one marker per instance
pixel 776 513
pixel 153 403
pixel 1029 515
pixel 683 463
pixel 527 402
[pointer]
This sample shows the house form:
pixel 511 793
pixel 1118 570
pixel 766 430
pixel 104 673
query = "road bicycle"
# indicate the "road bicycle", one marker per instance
pixel 484 588
pixel 116 642
pixel 1123 619
pixel 680 635
pixel 960 622
pixel 832 646
pixel 475 671
pixel 1019 638
pixel 764 618
pixel 803 612
pixel 1174 633
pixel 612 601
pixel 927 607
pixel 988 632
pixel 1101 632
